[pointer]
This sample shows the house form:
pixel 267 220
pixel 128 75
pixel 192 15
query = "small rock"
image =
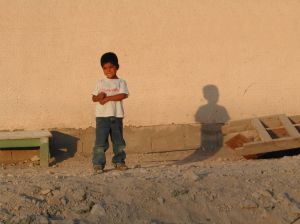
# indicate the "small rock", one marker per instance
pixel 137 166
pixel 82 208
pixel 98 210
pixel 193 195
pixel 35 158
pixel 266 193
pixel 17 208
pixel 57 193
pixel 161 200
pixel 248 204
pixel 64 201
pixel 191 175
pixel 45 191
pixel 79 195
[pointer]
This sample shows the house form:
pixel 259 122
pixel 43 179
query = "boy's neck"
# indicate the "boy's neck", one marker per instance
pixel 114 77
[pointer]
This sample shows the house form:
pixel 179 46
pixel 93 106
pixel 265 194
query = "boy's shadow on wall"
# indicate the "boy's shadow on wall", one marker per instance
pixel 212 117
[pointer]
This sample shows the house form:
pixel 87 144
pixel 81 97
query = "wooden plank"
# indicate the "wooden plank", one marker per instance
pixel 295 119
pixel 254 148
pixel 24 134
pixel 289 126
pixel 15 143
pixel 279 127
pixel 44 152
pixel 263 134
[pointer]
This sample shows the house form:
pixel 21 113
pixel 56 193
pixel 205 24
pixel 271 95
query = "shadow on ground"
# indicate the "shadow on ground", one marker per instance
pixel 280 154
pixel 62 146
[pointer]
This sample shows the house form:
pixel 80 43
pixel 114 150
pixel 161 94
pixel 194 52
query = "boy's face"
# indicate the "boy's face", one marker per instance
pixel 110 70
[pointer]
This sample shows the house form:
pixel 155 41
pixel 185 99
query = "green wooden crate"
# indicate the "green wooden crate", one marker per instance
pixel 19 139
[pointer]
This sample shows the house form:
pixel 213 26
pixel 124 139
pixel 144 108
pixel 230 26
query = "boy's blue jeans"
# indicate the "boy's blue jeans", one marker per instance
pixel 106 126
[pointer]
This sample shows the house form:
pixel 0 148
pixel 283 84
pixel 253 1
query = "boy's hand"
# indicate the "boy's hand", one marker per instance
pixel 101 96
pixel 118 97
pixel 103 101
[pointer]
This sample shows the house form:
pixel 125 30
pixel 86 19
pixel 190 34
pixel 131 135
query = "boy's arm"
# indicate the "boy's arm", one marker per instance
pixel 99 97
pixel 118 97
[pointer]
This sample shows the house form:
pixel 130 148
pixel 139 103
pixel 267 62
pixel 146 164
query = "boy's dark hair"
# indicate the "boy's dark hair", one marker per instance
pixel 109 57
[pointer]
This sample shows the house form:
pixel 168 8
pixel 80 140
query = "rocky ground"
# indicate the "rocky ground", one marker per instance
pixel 156 189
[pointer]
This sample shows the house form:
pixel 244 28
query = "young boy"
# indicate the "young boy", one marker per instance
pixel 108 95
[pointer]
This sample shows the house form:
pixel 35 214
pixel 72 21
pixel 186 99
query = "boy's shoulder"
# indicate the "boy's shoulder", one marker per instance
pixel 122 80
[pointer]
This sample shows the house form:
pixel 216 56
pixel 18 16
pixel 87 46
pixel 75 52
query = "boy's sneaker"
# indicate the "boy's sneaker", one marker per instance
pixel 120 166
pixel 98 169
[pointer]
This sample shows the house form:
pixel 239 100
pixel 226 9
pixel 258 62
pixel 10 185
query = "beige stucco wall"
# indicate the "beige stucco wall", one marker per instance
pixel 168 51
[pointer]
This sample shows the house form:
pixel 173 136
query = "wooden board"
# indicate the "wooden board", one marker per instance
pixel 293 132
pixel 21 139
pixel 276 133
pixel 262 132
pixel 24 134
pixel 16 143
pixel 272 146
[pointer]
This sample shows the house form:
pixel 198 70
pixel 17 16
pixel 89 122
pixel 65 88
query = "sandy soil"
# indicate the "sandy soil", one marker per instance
pixel 156 189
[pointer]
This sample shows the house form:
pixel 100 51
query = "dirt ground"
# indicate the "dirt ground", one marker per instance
pixel 158 188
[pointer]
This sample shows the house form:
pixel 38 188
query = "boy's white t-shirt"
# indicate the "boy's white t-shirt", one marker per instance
pixel 111 87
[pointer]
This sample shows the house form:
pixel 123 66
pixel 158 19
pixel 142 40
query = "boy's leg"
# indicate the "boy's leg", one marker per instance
pixel 118 141
pixel 101 144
